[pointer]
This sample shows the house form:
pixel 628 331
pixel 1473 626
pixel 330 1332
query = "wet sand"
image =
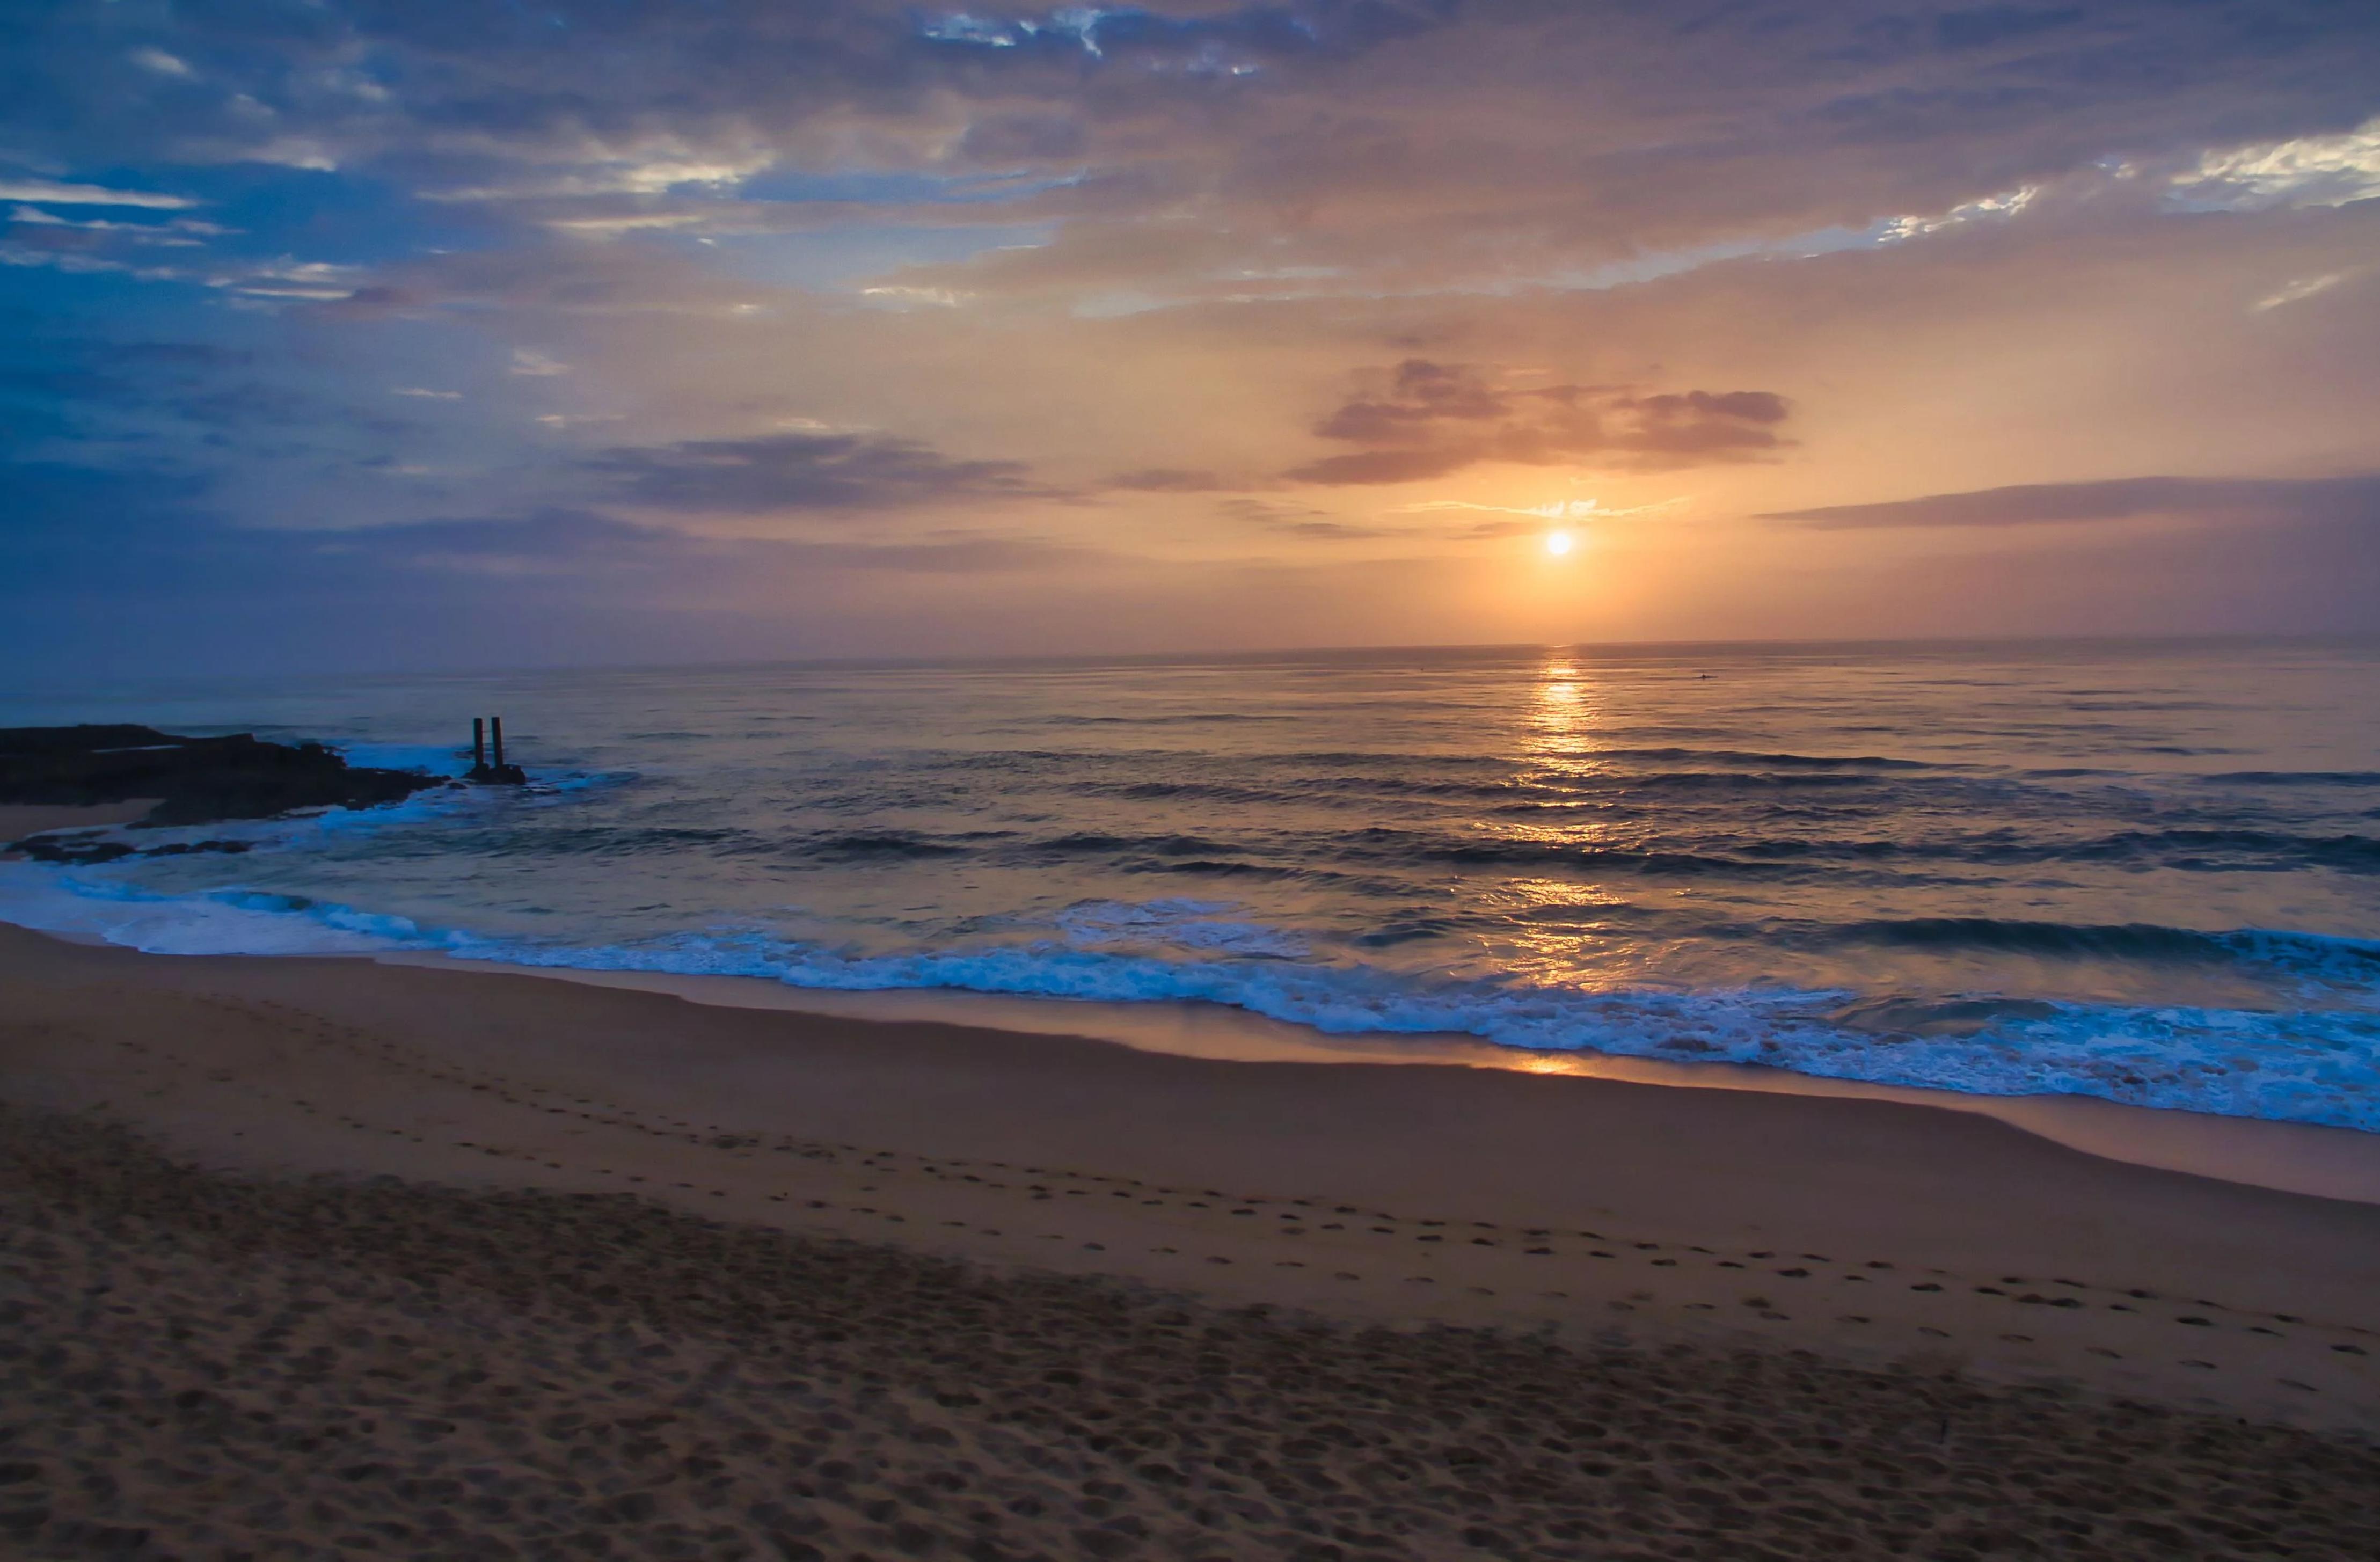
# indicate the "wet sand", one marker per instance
pixel 432 1263
pixel 19 821
pixel 2297 1157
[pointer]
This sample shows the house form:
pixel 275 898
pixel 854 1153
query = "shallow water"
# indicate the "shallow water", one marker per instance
pixel 2147 873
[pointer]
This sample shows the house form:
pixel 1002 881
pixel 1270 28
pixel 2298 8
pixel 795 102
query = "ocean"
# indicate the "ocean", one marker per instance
pixel 2143 872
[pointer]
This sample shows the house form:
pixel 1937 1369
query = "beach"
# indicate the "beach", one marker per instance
pixel 324 1256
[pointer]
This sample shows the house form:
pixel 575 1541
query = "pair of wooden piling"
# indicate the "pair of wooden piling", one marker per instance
pixel 497 773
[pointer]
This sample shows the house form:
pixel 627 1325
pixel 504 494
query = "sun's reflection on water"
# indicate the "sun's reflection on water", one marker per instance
pixel 1566 705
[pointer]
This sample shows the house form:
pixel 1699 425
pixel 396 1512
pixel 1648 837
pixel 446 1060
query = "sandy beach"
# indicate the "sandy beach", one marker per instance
pixel 322 1257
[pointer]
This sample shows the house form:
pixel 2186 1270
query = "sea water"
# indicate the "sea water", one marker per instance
pixel 2148 873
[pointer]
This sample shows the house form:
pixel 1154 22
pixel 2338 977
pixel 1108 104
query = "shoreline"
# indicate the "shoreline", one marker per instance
pixel 2312 1158
pixel 2316 1160
pixel 1866 1232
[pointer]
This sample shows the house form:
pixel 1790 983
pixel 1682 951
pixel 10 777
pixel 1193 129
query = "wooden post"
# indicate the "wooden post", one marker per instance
pixel 478 744
pixel 496 728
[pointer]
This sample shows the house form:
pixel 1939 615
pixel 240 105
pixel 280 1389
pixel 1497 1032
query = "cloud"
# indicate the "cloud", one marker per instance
pixel 57 194
pixel 588 546
pixel 161 404
pixel 1171 479
pixel 1384 466
pixel 2304 287
pixel 2305 171
pixel 805 471
pixel 1450 143
pixel 374 301
pixel 1301 521
pixel 143 533
pixel 2114 500
pixel 178 232
pixel 161 62
pixel 122 572
pixel 1426 419
pixel 1333 531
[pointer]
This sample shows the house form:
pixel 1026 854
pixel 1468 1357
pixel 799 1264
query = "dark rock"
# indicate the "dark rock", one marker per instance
pixel 202 781
pixel 80 850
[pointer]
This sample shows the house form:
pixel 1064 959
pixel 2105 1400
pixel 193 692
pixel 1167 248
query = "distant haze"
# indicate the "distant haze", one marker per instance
pixel 353 336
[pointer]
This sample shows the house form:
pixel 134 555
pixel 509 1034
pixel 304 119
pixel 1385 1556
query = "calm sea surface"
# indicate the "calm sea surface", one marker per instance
pixel 2148 873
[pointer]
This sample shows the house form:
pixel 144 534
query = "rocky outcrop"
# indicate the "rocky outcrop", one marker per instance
pixel 201 780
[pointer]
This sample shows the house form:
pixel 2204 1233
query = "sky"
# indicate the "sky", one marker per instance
pixel 364 334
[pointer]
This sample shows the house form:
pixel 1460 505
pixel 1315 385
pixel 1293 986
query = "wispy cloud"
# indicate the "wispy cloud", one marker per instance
pixel 2304 287
pixel 2116 499
pixel 53 193
pixel 1172 479
pixel 2304 171
pixel 1554 510
pixel 162 63
pixel 805 471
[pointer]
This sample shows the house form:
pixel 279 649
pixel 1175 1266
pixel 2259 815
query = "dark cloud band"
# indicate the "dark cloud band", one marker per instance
pixel 804 471
pixel 2114 500
pixel 1426 419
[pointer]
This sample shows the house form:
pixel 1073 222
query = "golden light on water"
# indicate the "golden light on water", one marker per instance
pixel 1563 712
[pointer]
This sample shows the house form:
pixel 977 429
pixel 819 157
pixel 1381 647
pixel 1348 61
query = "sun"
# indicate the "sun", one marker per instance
pixel 1558 543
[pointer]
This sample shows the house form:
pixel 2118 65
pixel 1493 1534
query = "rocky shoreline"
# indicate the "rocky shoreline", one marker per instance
pixel 195 780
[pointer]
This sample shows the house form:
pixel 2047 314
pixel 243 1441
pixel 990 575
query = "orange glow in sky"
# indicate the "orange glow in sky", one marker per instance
pixel 1171 326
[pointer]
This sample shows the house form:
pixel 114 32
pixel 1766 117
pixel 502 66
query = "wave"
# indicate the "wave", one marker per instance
pixel 2228 850
pixel 2305 955
pixel 2305 1065
pixel 1771 856
pixel 1728 781
pixel 2293 777
pixel 2132 941
pixel 1308 852
pixel 1156 845
pixel 1774 859
pixel 1192 719
pixel 437 759
pixel 227 923
pixel 1215 867
pixel 1199 792
pixel 1770 761
pixel 879 844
